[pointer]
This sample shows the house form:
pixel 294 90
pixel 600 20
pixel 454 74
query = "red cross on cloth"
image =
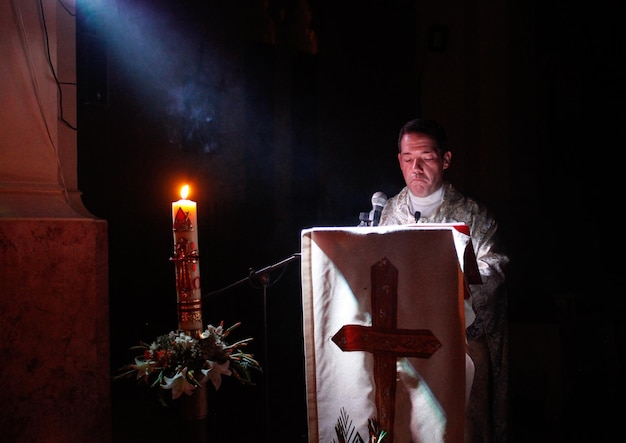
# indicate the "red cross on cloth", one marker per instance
pixel 386 341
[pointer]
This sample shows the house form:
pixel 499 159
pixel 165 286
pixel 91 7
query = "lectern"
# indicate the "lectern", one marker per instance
pixel 384 330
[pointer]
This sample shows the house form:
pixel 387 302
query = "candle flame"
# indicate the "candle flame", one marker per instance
pixel 184 192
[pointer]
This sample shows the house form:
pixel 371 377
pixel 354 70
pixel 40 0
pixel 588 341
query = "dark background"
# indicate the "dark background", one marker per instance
pixel 275 135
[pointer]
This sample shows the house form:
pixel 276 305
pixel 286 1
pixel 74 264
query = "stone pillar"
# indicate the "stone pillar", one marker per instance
pixel 54 353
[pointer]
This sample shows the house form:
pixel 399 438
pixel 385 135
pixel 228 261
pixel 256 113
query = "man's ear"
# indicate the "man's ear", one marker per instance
pixel 447 157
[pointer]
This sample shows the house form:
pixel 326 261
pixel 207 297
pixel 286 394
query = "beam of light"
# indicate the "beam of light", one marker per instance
pixel 428 418
pixel 164 62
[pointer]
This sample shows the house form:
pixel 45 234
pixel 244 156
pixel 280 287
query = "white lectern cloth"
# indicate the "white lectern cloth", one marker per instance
pixel 336 289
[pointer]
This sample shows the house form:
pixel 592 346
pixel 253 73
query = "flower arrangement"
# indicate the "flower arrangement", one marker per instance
pixel 181 363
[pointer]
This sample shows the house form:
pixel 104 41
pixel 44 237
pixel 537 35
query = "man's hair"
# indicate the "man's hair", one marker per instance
pixel 427 127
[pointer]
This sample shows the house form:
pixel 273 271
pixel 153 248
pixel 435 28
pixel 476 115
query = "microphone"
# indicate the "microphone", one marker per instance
pixel 417 214
pixel 378 201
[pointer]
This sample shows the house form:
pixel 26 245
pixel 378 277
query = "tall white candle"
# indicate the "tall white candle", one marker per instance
pixel 186 258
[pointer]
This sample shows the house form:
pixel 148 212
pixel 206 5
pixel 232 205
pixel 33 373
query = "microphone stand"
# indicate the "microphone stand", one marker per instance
pixel 263 277
pixel 260 275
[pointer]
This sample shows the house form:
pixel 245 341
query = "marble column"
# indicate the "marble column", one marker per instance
pixel 54 318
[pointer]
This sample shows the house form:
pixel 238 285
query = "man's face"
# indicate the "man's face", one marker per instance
pixel 421 165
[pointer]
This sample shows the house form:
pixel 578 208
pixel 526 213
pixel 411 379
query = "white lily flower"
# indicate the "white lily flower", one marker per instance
pixel 215 371
pixel 178 384
pixel 143 368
